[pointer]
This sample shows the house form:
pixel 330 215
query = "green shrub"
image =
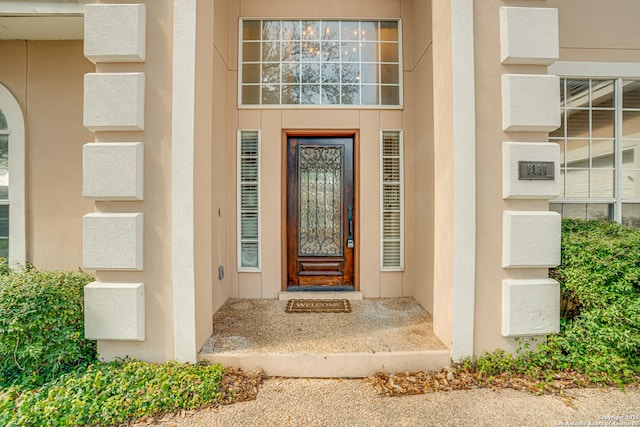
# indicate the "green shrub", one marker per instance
pixel 599 274
pixel 42 326
pixel 600 324
pixel 112 394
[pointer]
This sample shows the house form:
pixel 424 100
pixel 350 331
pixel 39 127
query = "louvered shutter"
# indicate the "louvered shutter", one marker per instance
pixel 249 200
pixel 392 201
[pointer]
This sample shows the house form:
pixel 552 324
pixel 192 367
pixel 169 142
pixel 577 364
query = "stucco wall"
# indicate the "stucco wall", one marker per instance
pixel 593 30
pixel 419 172
pixel 46 77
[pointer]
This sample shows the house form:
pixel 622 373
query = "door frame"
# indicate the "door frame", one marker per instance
pixel 338 133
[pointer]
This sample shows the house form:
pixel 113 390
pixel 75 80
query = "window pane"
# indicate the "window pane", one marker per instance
pixel 599 211
pixel 602 154
pixel 390 95
pixel 577 153
pixel 291 52
pixel 270 73
pixel 388 52
pixel 631 124
pixel 311 51
pixel 310 94
pixel 389 30
pixel 270 51
pixel 291 73
pixel 602 123
pixel 291 94
pixel 251 52
pixel 389 74
pixel 270 30
pixel 251 73
pixel 369 52
pixel 602 183
pixel 369 94
pixel 3 121
pixel 290 30
pixel 577 94
pixel 330 51
pixel 250 94
pixel 251 30
pixel 4 231
pixel 350 30
pixel 330 94
pixel 4 167
pixel 350 94
pixel 577 183
pixel 331 73
pixel 310 73
pixel 630 183
pixel 271 94
pixel 577 123
pixel 350 73
pixel 249 254
pixel 330 30
pixel 310 30
pixel 574 210
pixel 631 94
pixel 631 214
pixel 602 93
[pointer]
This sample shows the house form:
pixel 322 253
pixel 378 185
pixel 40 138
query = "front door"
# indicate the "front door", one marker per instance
pixel 320 211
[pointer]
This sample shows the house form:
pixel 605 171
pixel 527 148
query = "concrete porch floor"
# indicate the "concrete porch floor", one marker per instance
pixel 380 335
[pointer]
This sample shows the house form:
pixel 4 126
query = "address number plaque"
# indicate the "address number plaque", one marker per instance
pixel 528 170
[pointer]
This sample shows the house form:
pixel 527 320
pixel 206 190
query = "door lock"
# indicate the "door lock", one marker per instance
pixel 350 243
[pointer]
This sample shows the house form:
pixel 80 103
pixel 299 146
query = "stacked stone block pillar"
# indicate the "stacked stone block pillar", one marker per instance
pixel 530 103
pixel 114 171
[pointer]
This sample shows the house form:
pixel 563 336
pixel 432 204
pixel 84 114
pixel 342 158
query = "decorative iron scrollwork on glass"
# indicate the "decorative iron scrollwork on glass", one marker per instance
pixel 320 215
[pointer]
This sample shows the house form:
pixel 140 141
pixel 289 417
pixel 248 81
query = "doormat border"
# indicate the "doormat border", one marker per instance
pixel 306 306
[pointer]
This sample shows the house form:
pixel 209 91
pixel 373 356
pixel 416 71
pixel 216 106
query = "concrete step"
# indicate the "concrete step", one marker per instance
pixel 332 365
pixel 379 335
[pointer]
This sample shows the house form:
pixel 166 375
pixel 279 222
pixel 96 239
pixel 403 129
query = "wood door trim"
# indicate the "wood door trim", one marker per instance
pixel 328 133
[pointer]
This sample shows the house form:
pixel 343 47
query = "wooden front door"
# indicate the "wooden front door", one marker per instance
pixel 320 211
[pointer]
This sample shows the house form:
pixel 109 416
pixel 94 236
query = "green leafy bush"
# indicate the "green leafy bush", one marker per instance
pixel 599 339
pixel 599 274
pixel 112 394
pixel 42 326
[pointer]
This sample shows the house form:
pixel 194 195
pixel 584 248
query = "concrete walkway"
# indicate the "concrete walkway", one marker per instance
pixel 323 402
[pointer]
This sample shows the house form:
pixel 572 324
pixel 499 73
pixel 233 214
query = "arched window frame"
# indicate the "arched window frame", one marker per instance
pixel 16 202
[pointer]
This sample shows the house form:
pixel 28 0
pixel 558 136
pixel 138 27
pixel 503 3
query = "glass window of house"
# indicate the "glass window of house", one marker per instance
pixel 318 62
pixel 599 144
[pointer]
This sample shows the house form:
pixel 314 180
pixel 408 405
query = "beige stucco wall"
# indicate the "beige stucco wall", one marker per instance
pixel 156 206
pixel 46 78
pixel 419 152
pixel 593 30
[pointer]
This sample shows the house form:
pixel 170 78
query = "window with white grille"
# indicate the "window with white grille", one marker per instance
pixel 248 200
pixel 392 247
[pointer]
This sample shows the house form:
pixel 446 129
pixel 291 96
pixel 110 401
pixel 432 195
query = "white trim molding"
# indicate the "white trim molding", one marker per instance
pixel 17 228
pixel 464 178
pixel 182 180
pixel 43 8
pixel 595 69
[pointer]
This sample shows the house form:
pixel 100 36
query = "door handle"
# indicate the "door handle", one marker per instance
pixel 350 243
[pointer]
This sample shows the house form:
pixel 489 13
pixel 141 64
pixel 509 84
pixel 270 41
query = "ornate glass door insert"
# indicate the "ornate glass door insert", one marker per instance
pixel 320 216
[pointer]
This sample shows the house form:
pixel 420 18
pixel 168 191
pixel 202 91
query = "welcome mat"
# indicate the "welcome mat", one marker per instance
pixel 318 306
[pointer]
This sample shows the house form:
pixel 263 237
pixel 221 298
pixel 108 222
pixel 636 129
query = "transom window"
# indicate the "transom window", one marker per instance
pixel 318 62
pixel 600 150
